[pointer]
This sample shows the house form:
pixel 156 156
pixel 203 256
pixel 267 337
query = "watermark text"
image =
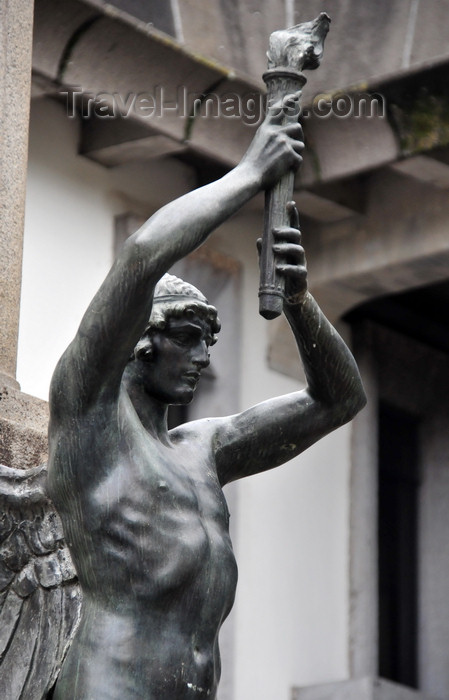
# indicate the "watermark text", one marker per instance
pixel 250 108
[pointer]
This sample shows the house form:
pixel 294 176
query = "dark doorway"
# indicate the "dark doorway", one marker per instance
pixel 402 342
pixel 397 542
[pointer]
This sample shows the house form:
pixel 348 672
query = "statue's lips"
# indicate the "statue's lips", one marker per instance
pixel 192 375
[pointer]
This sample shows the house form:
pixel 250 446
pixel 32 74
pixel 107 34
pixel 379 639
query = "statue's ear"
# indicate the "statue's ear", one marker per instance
pixel 144 349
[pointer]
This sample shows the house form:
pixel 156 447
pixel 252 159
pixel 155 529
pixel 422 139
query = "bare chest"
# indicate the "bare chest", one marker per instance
pixel 150 482
pixel 160 519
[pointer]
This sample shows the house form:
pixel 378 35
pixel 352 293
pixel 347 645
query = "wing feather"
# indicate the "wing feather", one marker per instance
pixel 41 669
pixel 40 598
pixel 16 662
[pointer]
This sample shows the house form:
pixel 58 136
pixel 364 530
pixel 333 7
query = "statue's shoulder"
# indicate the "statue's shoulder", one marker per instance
pixel 202 427
pixel 203 435
pixel 40 597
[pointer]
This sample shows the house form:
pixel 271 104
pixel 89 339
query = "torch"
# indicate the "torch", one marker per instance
pixel 291 51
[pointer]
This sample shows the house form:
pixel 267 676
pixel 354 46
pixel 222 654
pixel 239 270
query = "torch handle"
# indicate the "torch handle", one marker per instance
pixel 280 83
pixel 271 289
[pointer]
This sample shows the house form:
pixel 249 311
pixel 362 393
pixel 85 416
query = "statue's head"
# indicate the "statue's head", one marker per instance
pixel 174 298
pixel 174 347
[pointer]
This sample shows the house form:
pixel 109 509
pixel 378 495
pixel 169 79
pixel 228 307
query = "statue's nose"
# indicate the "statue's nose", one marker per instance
pixel 202 357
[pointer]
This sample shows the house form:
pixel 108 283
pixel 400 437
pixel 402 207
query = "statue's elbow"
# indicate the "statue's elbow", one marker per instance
pixel 362 399
pixel 354 403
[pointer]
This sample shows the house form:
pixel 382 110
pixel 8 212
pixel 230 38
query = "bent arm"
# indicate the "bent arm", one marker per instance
pixel 93 364
pixel 275 431
pixel 333 378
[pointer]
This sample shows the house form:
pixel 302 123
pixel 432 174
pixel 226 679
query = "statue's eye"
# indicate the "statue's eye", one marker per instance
pixel 182 338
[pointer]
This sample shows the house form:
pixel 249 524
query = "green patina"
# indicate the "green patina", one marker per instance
pixel 421 124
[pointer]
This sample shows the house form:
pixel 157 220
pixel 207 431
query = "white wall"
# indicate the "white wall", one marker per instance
pixel 291 612
pixel 67 245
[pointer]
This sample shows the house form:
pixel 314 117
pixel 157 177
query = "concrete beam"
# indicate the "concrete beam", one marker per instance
pixel 400 242
pixel 103 53
pixel 367 41
pixel 321 209
pixel 129 72
pixel 342 147
pixel 152 82
pixel 56 26
pixel 116 142
pixel 424 169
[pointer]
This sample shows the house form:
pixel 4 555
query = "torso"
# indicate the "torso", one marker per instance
pixel 149 537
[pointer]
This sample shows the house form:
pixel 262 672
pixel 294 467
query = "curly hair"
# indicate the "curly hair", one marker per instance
pixel 174 298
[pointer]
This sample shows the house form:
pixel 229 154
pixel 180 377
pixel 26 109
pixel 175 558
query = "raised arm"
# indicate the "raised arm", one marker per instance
pixel 94 362
pixel 277 430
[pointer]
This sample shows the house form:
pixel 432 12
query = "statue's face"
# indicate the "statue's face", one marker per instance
pixel 179 353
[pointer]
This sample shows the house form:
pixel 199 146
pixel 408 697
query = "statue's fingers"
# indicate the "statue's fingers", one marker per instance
pixel 292 150
pixel 259 246
pixel 290 252
pixel 298 273
pixel 293 214
pixel 294 129
pixel 290 103
pixel 289 234
pixel 294 136
pixel 296 158
pixel 274 112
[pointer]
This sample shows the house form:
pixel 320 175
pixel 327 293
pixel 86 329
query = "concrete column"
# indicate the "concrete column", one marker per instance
pixel 363 596
pixel 23 419
pixel 16 24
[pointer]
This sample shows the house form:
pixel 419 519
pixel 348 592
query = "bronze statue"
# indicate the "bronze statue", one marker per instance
pixel 142 506
pixel 143 509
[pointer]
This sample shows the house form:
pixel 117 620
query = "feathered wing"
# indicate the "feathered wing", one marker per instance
pixel 40 597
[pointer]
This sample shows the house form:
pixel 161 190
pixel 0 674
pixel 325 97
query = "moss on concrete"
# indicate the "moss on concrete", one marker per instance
pixel 422 123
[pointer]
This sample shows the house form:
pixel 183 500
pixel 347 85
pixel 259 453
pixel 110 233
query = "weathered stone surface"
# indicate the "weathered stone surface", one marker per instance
pixel 142 62
pixel 430 39
pixel 139 63
pixel 55 26
pixel 16 18
pixel 214 60
pixel 399 242
pixel 340 147
pixel 201 25
pixel 358 54
pixel 234 33
pixel 425 169
pixel 23 429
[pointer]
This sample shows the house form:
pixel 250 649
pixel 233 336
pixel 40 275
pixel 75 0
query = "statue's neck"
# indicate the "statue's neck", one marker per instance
pixel 151 412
